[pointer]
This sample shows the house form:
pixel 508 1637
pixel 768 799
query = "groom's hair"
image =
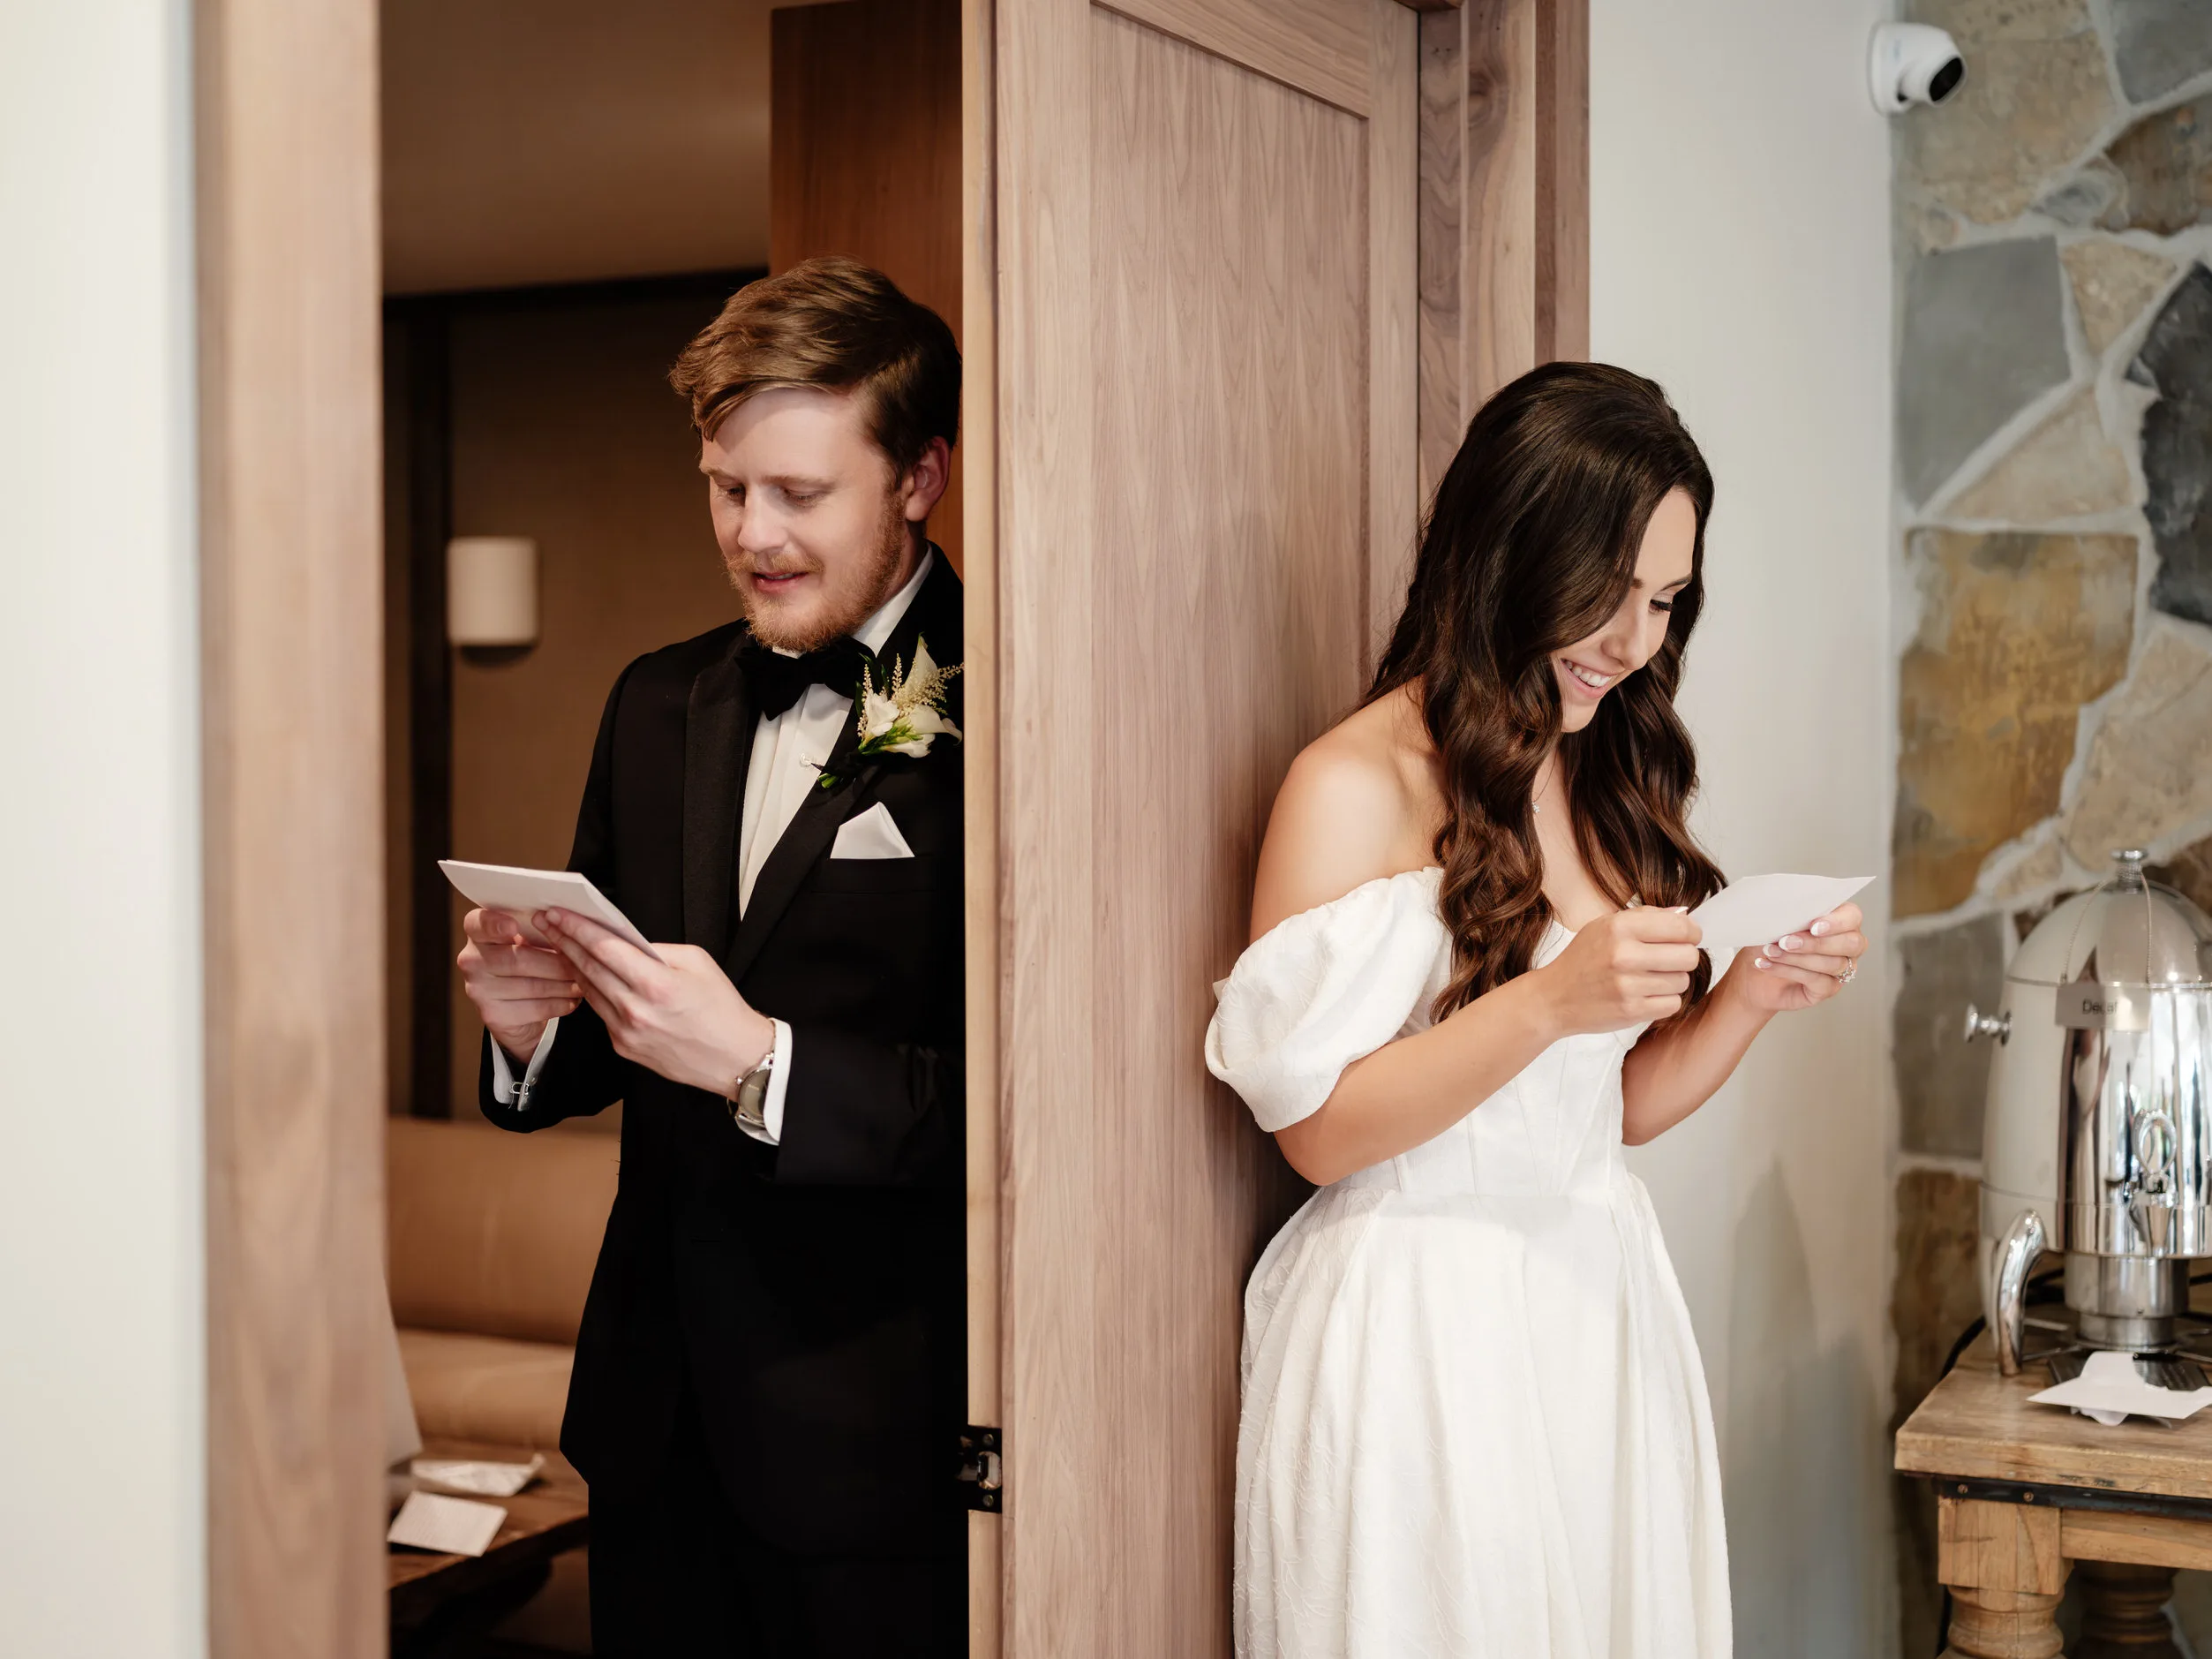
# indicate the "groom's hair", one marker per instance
pixel 839 325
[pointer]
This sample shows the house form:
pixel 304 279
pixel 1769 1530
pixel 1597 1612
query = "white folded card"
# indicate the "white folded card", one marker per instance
pixel 1760 909
pixel 873 835
pixel 475 1477
pixel 450 1525
pixel 2109 1388
pixel 520 893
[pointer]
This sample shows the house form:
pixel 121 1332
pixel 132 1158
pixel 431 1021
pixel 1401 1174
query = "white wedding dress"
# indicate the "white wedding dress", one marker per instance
pixel 1474 1421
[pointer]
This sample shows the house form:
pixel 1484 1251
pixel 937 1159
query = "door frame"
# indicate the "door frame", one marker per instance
pixel 289 297
pixel 292 557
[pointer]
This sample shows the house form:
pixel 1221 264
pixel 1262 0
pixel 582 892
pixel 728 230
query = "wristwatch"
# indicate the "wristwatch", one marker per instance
pixel 749 1101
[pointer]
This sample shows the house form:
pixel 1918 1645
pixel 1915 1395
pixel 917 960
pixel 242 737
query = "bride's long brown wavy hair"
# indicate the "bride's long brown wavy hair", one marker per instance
pixel 1530 545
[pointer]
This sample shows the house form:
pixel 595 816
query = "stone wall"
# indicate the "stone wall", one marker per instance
pixel 2054 471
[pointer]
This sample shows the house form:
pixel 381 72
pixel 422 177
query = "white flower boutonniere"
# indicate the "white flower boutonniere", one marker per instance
pixel 907 715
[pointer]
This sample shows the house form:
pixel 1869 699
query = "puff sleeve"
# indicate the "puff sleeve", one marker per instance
pixel 1324 988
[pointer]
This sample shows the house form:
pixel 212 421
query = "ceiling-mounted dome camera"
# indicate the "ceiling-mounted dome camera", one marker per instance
pixel 1912 62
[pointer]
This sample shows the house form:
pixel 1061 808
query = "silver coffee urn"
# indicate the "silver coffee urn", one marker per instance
pixel 2097 1140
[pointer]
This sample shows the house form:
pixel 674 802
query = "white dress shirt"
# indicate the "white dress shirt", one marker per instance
pixel 789 752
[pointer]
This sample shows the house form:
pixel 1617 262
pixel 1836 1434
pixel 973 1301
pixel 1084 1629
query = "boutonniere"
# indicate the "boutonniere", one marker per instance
pixel 907 714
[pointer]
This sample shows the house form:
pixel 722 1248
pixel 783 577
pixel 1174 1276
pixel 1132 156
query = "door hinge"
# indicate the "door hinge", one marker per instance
pixel 983 1467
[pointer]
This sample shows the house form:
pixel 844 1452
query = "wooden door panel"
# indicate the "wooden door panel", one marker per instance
pixel 1230 450
pixel 1205 460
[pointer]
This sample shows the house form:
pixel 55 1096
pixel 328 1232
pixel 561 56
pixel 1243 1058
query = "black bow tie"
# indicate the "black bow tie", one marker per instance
pixel 775 681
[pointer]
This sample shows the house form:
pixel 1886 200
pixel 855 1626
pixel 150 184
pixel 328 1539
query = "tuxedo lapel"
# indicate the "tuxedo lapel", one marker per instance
pixel 934 615
pixel 717 747
pixel 808 835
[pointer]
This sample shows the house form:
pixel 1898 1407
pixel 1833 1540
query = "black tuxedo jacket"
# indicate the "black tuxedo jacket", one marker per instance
pixel 812 1294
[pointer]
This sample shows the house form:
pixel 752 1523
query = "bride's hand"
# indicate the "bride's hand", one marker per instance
pixel 1804 969
pixel 1621 970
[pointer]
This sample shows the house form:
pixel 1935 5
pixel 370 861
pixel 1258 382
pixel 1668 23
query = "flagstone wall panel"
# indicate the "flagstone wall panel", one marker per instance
pixel 2160 44
pixel 2017 632
pixel 2176 361
pixel 2165 163
pixel 1984 337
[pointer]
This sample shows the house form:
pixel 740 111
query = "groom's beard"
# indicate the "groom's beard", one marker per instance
pixel 868 594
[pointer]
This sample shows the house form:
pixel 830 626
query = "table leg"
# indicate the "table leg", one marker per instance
pixel 2002 1565
pixel 2124 1611
pixel 457 1628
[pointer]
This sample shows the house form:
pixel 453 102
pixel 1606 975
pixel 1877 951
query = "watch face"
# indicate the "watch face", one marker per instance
pixel 752 1094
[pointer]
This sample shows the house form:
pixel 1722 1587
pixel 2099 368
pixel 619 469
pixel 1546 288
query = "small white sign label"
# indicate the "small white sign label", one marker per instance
pixel 2087 1006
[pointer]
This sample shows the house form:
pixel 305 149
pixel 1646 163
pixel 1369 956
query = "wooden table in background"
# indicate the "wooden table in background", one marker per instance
pixel 438 1601
pixel 2028 1493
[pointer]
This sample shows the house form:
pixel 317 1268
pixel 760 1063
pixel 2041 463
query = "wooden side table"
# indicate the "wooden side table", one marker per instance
pixel 442 1603
pixel 2028 1494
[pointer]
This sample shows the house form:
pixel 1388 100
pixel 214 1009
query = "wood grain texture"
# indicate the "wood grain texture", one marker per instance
pixel 1978 1424
pixel 2087 1534
pixel 1190 463
pixel 292 617
pixel 865 159
pixel 1394 480
pixel 1562 180
pixel 1439 237
pixel 2003 1625
pixel 979 414
pixel 1318 46
pixel 1498 262
pixel 2124 1611
pixel 1504 205
pixel 1050 703
pixel 1999 1546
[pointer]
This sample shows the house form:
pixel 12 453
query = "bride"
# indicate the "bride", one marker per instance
pixel 1474 1420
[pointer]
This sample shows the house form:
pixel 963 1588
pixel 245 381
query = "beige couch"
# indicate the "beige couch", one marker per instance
pixel 492 1238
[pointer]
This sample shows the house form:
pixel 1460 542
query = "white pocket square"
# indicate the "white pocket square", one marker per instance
pixel 873 835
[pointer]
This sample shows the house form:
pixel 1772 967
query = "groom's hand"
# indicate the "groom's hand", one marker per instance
pixel 679 1017
pixel 516 982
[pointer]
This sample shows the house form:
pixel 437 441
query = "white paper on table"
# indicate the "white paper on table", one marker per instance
pixel 450 1525
pixel 2111 1388
pixel 521 892
pixel 1759 909
pixel 477 1477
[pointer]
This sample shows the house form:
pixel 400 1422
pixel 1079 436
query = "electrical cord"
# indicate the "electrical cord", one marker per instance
pixel 2041 1291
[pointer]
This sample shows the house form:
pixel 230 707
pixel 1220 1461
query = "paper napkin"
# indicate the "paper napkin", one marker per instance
pixel 2111 1388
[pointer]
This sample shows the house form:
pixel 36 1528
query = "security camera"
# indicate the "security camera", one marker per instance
pixel 1912 62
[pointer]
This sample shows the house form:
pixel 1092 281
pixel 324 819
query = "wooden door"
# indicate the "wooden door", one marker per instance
pixel 1195 221
pixel 864 158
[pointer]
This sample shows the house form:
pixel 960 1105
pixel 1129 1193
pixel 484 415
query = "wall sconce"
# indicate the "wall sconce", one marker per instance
pixel 491 597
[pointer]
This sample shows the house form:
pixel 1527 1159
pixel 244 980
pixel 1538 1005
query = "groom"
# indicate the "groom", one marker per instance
pixel 769 1381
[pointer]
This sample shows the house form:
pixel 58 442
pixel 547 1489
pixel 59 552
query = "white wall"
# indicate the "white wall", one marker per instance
pixel 101 1404
pixel 1740 255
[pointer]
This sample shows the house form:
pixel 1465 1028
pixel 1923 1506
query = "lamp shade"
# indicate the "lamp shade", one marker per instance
pixel 492 590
